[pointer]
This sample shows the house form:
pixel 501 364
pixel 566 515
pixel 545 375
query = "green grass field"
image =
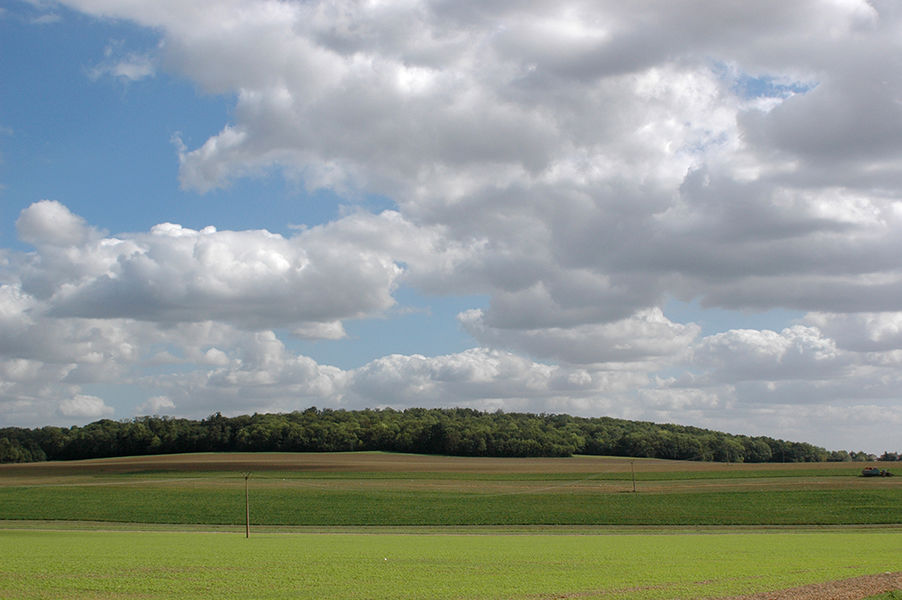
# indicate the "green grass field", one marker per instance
pixel 335 506
pixel 373 525
pixel 371 489
pixel 93 564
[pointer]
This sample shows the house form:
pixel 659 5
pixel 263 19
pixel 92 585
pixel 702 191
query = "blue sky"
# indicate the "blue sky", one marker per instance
pixel 104 146
pixel 580 208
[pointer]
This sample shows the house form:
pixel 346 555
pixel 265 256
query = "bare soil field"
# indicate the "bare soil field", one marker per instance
pixel 855 588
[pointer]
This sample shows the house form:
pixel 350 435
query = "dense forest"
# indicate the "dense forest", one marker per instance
pixel 461 432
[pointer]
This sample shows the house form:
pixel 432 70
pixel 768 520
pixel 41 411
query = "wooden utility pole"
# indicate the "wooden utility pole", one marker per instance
pixel 247 508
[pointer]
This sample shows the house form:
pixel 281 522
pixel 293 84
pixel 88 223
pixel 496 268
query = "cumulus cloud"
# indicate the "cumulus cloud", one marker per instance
pixel 797 352
pixel 83 406
pixel 645 336
pixel 320 331
pixel 574 163
pixel 584 159
pixel 861 331
pixel 50 224
pixel 174 274
pixel 157 405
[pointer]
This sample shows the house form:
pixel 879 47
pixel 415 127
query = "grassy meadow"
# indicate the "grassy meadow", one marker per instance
pixel 375 525
pixel 128 564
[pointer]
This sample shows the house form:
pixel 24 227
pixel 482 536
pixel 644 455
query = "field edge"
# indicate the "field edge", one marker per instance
pixel 76 525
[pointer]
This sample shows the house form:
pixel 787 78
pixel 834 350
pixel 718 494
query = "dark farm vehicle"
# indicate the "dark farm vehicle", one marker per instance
pixel 875 472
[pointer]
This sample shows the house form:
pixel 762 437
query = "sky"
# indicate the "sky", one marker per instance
pixel 683 212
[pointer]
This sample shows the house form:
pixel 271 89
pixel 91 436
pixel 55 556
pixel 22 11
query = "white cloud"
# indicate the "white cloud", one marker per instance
pixel 320 331
pixel 646 336
pixel 582 160
pixel 156 405
pixel 174 274
pixel 83 406
pixel 797 352
pixel 575 163
pixel 132 67
pixel 49 223
pixel 863 332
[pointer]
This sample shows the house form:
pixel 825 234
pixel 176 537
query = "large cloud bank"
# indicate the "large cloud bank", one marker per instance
pixel 577 163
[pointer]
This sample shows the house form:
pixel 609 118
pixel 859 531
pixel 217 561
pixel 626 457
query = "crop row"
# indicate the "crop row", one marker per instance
pixel 328 506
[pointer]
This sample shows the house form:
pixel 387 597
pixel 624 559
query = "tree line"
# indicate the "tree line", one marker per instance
pixel 456 431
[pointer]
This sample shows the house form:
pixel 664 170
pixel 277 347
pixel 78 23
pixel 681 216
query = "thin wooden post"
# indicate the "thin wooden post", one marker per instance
pixel 247 509
pixel 633 471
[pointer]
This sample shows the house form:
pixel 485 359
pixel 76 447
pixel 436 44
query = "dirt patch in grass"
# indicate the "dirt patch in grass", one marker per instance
pixel 855 588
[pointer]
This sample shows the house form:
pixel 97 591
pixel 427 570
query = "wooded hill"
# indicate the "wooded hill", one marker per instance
pixel 459 431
